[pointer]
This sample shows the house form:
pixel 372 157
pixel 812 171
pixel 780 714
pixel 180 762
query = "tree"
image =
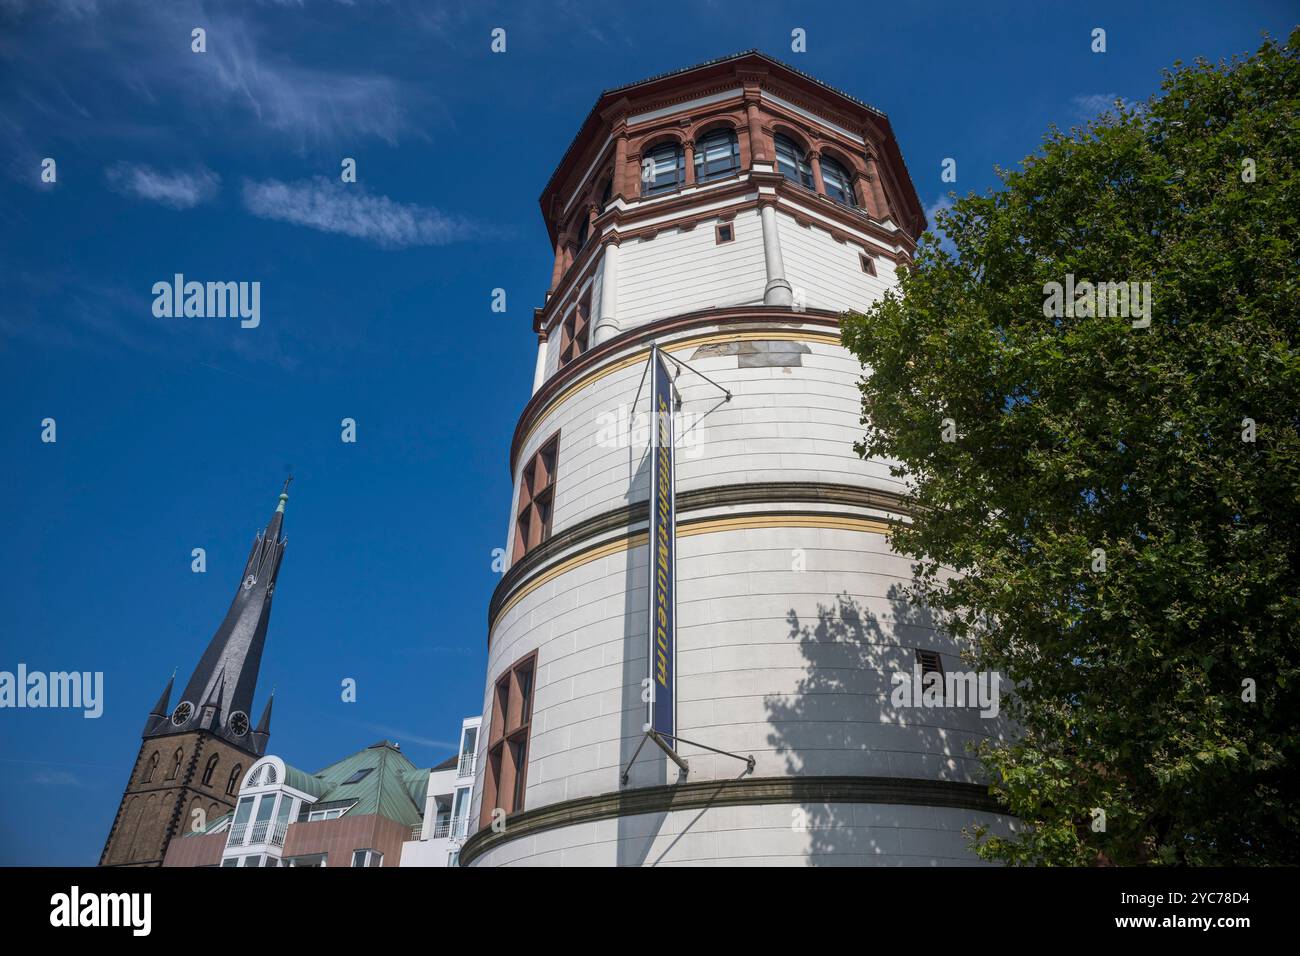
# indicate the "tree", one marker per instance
pixel 1121 504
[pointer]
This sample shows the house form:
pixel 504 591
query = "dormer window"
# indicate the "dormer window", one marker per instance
pixel 663 169
pixel 263 776
pixel 717 156
pixel 792 162
pixel 838 182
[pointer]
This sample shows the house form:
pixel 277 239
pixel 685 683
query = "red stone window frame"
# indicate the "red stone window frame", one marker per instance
pixel 724 232
pixel 505 777
pixel 868 263
pixel 536 498
pixel 575 332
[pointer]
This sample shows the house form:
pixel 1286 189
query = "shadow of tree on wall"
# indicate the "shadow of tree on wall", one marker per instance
pixel 840 722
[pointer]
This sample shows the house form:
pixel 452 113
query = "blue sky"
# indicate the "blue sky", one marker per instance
pixel 176 433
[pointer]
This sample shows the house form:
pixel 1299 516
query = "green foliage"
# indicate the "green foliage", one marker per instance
pixel 1078 433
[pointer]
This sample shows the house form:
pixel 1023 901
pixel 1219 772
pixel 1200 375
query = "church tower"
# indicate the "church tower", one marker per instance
pixel 193 756
pixel 714 223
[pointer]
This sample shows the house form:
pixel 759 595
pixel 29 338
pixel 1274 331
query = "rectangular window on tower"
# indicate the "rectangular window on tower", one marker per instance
pixel 506 775
pixel 930 663
pixel 536 498
pixel 575 331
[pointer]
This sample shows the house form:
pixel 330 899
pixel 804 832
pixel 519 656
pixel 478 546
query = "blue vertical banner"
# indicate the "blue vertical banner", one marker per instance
pixel 663 553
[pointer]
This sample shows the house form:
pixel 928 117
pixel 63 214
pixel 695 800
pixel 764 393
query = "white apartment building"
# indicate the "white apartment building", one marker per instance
pixel 445 826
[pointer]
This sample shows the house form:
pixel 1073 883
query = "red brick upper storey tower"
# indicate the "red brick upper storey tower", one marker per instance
pixel 757 133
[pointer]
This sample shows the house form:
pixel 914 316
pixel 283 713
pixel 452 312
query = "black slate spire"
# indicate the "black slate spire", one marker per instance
pixel 219 695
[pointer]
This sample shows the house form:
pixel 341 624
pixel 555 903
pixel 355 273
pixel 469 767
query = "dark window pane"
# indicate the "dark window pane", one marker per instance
pixel 839 186
pixel 661 169
pixel 525 694
pixel 791 162
pixel 520 754
pixel 717 155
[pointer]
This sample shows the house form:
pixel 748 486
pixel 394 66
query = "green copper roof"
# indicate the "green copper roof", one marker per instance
pixel 212 825
pixel 417 786
pixel 393 788
pixel 302 780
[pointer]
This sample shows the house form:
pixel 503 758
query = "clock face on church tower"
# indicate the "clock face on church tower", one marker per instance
pixel 238 723
pixel 182 712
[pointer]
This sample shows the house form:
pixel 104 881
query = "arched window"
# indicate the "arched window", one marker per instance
pixel 838 183
pixel 150 769
pixel 176 765
pixel 662 169
pixel 792 162
pixel 209 770
pixel 717 156
pixel 263 776
pixel 232 785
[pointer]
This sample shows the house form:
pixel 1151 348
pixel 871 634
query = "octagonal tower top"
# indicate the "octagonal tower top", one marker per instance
pixel 745 112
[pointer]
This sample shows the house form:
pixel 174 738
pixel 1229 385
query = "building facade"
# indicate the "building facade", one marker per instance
pixel 726 214
pixel 359 811
pixel 193 757
pixel 372 808
pixel 445 827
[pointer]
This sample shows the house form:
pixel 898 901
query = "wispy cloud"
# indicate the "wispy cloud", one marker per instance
pixel 1088 105
pixel 940 204
pixel 179 190
pixel 55 778
pixel 65 8
pixel 402 736
pixel 65 309
pixel 312 104
pixel 249 68
pixel 349 210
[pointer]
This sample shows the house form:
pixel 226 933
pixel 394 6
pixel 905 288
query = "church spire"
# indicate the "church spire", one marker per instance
pixel 219 694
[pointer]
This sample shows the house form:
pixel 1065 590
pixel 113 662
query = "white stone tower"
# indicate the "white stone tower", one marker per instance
pixel 727 214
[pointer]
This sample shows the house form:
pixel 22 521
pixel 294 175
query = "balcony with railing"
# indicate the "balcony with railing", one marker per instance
pixel 261 831
pixel 444 828
pixel 465 768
